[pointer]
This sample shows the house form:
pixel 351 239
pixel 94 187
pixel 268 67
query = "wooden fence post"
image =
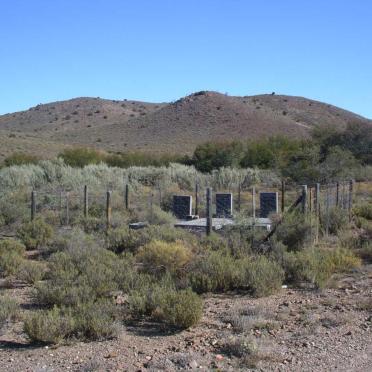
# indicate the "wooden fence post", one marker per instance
pixel 196 198
pixel 108 210
pixel 253 205
pixel 304 199
pixel 350 204
pixel 209 212
pixel 67 208
pixel 86 207
pixel 283 196
pixel 151 207
pixel 126 196
pixel 239 196
pixel 33 205
pixel 327 210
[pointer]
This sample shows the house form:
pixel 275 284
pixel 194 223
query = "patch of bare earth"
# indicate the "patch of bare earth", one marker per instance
pixel 295 330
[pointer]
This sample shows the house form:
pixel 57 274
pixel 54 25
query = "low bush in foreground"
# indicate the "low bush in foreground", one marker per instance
pixel 8 309
pixel 294 232
pixel 35 234
pixel 49 326
pixel 317 265
pixel 264 276
pixel 182 308
pixel 158 257
pixel 31 271
pixel 215 271
pixel 11 257
pixel 336 219
pixel 364 210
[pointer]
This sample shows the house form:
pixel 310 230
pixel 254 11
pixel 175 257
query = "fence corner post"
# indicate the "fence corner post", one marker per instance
pixel 86 207
pixel 304 199
pixel 209 220
pixel 283 196
pixel 350 204
pixel 126 196
pixel 33 205
pixel 108 210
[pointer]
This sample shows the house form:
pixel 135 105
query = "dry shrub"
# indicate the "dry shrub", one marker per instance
pixel 49 326
pixel 182 308
pixel 294 232
pixel 158 257
pixel 364 211
pixel 31 272
pixel 11 256
pixel 263 276
pixel 243 347
pixel 317 265
pixel 35 234
pixel 215 271
pixel 8 309
pixel 95 320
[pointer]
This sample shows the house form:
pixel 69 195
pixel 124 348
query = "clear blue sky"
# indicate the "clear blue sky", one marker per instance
pixel 160 50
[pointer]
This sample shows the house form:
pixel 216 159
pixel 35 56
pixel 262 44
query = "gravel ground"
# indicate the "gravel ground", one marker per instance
pixel 294 330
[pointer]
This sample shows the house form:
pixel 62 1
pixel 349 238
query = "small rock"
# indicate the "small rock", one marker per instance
pixel 193 364
pixel 219 357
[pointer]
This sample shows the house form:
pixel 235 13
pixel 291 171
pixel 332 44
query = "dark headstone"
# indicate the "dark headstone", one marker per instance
pixel 182 206
pixel 224 204
pixel 269 203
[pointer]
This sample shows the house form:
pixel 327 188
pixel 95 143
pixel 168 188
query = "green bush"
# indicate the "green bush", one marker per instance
pixel 183 308
pixel 124 239
pixel 82 156
pixel 19 158
pixel 158 257
pixel 95 321
pixel 11 245
pixel 147 296
pixel 336 218
pixel 364 210
pixel 8 309
pixel 12 211
pixel 31 271
pixel 294 232
pixel 35 234
pixel 11 256
pixel 49 326
pixel 366 252
pixel 317 265
pixel 160 217
pixel 91 224
pixel 215 271
pixel 80 274
pixel 263 276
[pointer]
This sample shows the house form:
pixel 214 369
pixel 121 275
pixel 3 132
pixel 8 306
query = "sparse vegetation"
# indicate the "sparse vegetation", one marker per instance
pixel 35 234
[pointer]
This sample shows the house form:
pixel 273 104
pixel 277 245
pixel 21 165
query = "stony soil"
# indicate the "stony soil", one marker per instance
pixel 295 330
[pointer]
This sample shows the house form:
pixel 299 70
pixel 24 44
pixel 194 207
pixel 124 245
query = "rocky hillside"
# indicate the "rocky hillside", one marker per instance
pixel 175 127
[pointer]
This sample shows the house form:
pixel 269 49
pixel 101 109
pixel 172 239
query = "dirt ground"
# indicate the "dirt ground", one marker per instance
pixel 295 330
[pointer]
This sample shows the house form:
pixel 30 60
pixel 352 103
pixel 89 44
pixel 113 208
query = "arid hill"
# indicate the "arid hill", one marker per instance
pixel 175 127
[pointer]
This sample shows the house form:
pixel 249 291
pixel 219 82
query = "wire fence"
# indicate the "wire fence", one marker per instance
pixel 230 202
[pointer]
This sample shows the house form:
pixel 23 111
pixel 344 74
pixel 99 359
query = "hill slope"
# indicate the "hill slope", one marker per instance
pixel 175 127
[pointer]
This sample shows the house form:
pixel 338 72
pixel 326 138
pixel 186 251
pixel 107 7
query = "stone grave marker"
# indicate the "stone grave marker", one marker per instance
pixel 269 203
pixel 224 204
pixel 182 206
